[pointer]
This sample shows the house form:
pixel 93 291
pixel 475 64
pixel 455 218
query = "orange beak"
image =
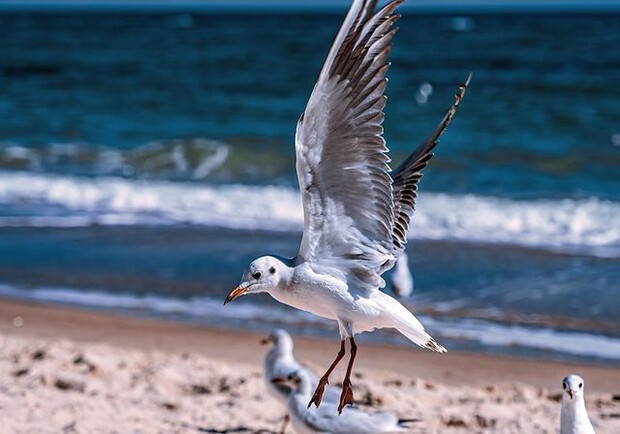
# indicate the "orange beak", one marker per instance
pixel 279 380
pixel 571 393
pixel 264 341
pixel 237 292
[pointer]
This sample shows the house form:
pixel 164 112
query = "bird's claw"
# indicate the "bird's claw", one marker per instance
pixel 347 395
pixel 317 397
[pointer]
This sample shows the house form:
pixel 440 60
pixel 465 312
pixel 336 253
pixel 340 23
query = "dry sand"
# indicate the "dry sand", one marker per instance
pixel 72 371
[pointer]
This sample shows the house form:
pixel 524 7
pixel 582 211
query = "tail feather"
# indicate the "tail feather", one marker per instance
pixel 406 322
pixel 434 346
pixel 421 338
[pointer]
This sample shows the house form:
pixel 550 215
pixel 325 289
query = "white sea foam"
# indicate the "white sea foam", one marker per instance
pixel 493 334
pixel 193 158
pixel 212 311
pixel 585 226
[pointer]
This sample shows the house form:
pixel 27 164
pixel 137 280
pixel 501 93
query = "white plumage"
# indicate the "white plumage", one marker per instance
pixel 280 362
pixel 356 211
pixel 574 416
pixel 402 279
pixel 325 420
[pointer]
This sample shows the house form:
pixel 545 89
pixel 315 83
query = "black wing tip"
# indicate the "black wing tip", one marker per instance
pixel 459 96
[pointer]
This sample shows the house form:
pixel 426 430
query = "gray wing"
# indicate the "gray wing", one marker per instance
pixel 342 164
pixel 408 174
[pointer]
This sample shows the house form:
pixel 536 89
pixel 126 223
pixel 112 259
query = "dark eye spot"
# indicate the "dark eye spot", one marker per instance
pixel 563 385
pixel 257 275
pixel 580 385
pixel 272 270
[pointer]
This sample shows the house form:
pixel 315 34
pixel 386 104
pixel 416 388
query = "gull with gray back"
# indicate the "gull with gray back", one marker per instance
pixel 356 210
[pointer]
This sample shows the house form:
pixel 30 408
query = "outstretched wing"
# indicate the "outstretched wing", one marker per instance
pixel 408 174
pixel 342 164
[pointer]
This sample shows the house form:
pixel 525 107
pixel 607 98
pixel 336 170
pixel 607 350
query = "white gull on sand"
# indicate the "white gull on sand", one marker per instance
pixel 574 416
pixel 281 363
pixel 324 420
pixel 356 211
pixel 402 279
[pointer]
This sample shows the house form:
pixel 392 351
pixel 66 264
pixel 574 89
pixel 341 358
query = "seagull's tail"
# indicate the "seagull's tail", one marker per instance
pixel 421 338
pixel 406 323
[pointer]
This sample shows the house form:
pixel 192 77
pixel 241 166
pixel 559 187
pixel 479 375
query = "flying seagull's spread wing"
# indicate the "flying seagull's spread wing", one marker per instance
pixel 342 164
pixel 356 216
pixel 408 174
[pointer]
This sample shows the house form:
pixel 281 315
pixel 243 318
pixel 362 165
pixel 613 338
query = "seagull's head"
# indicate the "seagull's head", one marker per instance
pixel 278 338
pixel 264 274
pixel 572 387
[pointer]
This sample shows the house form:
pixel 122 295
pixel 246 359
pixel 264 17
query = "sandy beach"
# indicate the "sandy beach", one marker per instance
pixel 71 371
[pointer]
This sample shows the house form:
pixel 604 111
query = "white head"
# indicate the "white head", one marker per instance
pixel 281 340
pixel 264 274
pixel 572 387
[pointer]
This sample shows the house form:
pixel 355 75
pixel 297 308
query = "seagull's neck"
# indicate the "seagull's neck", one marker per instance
pixel 284 348
pixel 286 270
pixel 574 416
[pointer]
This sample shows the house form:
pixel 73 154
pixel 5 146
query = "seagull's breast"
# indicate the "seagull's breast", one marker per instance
pixel 320 294
pixel 329 297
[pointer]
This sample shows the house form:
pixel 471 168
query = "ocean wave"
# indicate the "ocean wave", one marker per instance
pixel 199 307
pixel 582 226
pixel 193 158
pixel 211 311
pixel 501 335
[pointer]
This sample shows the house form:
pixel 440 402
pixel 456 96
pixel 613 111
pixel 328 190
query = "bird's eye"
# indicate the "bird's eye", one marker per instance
pixel 272 270
pixel 563 385
pixel 580 385
pixel 256 275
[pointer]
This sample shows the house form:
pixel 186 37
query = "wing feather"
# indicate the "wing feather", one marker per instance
pixel 408 174
pixel 356 214
pixel 342 165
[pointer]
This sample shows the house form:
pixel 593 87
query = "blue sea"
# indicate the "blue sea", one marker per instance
pixel 145 159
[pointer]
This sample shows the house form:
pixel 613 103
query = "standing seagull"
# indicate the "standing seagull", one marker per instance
pixel 356 214
pixel 325 421
pixel 281 363
pixel 402 279
pixel 574 416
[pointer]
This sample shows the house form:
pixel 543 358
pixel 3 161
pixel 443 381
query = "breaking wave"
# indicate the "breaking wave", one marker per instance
pixel 193 158
pixel 585 226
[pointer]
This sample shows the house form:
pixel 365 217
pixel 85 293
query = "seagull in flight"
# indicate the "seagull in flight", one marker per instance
pixel 574 416
pixel 356 210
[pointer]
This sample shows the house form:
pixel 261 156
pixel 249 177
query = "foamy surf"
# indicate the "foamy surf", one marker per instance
pixel 582 226
pixel 192 158
pixel 209 310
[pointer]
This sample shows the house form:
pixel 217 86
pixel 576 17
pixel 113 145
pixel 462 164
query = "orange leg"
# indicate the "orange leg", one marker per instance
pixel 320 388
pixel 347 391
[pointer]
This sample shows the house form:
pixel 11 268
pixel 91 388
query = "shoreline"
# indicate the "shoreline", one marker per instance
pixel 50 321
